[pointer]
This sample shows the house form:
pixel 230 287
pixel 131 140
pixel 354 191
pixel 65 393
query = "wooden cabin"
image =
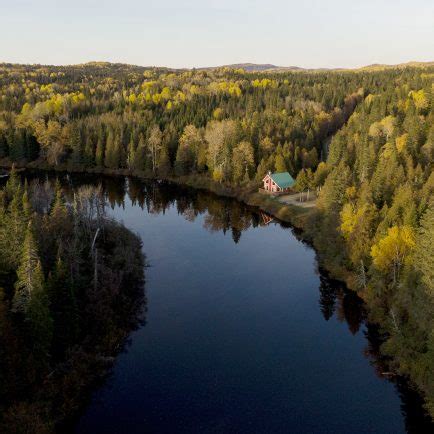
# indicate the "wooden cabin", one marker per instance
pixel 278 182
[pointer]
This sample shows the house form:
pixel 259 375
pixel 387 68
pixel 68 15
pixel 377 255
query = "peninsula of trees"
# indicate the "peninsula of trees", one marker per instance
pixel 71 290
pixel 363 139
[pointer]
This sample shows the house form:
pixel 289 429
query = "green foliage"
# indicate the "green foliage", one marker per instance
pixel 55 320
pixel 424 254
pixel 375 219
pixel 363 139
pixel 97 115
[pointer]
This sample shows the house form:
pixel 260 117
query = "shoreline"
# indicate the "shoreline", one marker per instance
pixel 297 217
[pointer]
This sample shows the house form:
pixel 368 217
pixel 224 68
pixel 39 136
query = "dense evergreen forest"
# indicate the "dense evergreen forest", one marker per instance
pixel 71 290
pixel 363 140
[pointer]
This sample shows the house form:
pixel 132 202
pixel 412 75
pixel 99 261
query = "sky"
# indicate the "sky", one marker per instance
pixel 197 33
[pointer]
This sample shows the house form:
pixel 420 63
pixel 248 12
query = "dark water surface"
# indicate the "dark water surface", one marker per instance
pixel 243 334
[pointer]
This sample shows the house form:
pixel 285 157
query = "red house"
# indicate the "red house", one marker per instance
pixel 278 182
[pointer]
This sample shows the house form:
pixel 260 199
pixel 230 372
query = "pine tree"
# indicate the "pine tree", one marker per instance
pixel 163 161
pixel 13 185
pixel 26 206
pixel 29 274
pixel 100 150
pixel 113 152
pixel 131 154
pixel 63 306
pixel 15 226
pixel 31 298
pixel 424 253
pixel 76 144
pixel 58 210
pixel 280 164
pixel 17 149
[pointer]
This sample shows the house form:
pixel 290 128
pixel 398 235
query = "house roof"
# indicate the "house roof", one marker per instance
pixel 282 179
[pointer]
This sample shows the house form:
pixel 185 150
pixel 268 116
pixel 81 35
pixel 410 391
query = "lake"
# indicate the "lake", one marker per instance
pixel 243 333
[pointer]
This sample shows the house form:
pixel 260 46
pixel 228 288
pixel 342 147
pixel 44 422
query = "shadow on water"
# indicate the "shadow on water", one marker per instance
pixel 230 216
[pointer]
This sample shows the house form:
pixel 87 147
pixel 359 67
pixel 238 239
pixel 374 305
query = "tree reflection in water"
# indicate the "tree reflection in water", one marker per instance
pixel 228 215
pixel 336 299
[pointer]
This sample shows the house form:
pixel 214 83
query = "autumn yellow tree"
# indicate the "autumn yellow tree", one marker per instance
pixel 394 250
pixel 219 137
pixel 154 145
pixel 51 139
pixel 242 161
pixel 189 144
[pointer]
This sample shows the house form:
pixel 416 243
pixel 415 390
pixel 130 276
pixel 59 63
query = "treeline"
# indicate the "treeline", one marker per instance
pixel 71 290
pixel 375 218
pixel 225 123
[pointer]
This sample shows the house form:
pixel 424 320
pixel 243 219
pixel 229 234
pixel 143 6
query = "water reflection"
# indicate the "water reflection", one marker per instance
pixel 336 299
pixel 233 218
pixel 157 197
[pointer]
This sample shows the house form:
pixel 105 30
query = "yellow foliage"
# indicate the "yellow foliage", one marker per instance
pixel 369 99
pixel 55 104
pixel 264 83
pixel 394 249
pixel 388 125
pixel 350 192
pixel 234 89
pixel 217 174
pixel 231 88
pixel 26 108
pixel 420 99
pixel 322 118
pixel 217 113
pixel 47 88
pixel 375 129
pixel 156 98
pixel 401 142
pixel 165 93
pixel 194 90
pixel 348 220
pixel 147 85
pixel 222 86
pixel 180 96
pixel 77 97
pixel 387 150
pixel 384 127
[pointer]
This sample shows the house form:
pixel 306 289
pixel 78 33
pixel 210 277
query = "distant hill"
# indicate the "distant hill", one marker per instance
pixel 248 67
pixel 379 66
pixel 256 67
pixel 269 67
pixel 252 66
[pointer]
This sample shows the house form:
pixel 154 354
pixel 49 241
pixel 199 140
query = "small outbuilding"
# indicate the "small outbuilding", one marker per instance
pixel 280 182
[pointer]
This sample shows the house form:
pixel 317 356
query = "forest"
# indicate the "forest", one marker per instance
pixel 363 140
pixel 71 290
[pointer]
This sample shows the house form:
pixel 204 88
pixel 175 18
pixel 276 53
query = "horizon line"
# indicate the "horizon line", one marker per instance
pixel 228 65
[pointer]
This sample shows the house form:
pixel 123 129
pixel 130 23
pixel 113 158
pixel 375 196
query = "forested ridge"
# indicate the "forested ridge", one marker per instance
pixel 375 212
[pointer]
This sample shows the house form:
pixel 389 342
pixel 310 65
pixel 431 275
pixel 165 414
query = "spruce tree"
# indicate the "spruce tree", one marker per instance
pixel 63 305
pixel 424 255
pixel 30 298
